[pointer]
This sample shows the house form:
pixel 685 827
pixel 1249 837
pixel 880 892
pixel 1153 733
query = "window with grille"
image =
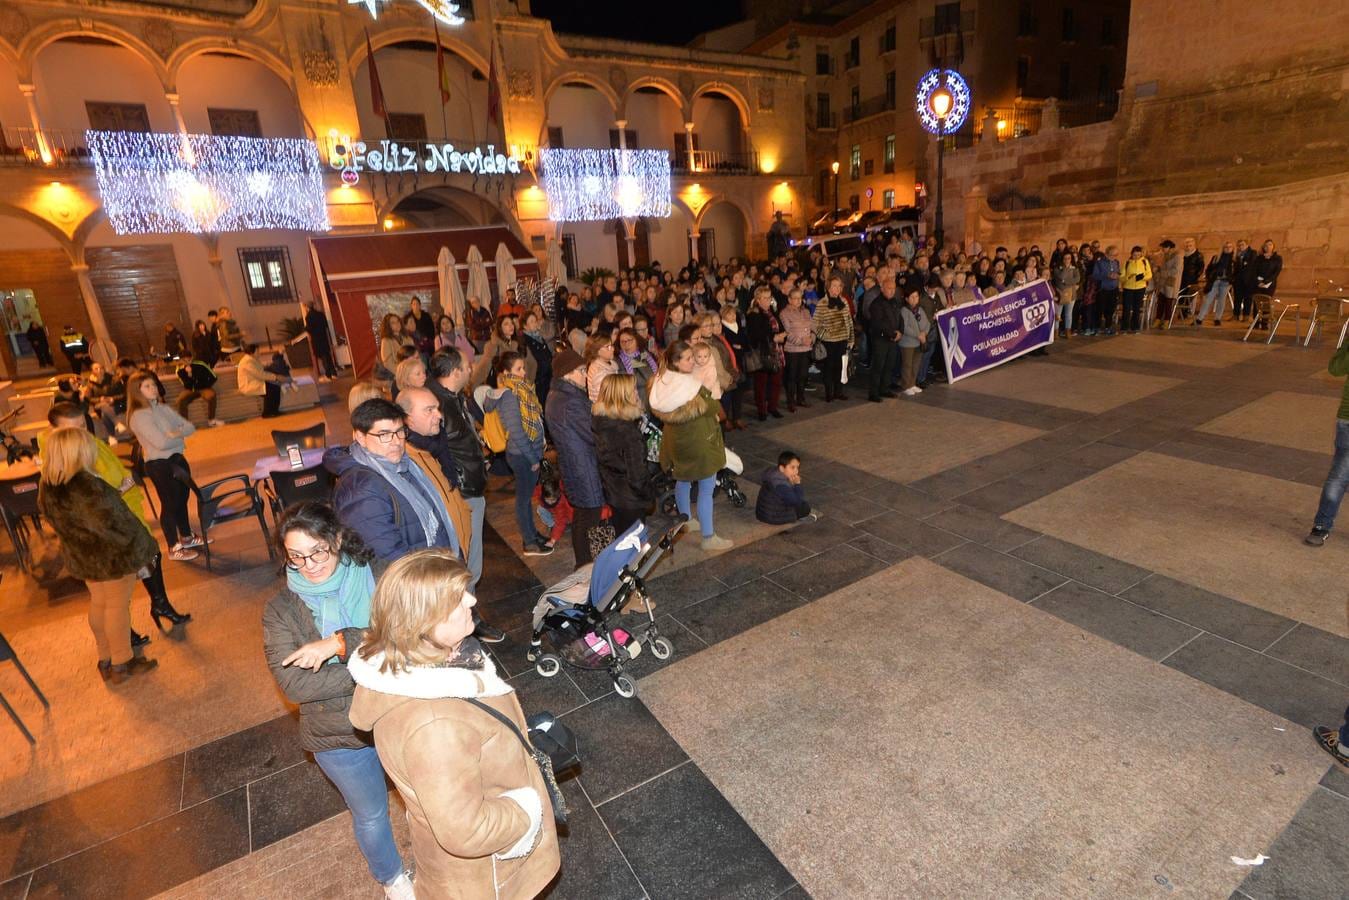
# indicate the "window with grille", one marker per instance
pixel 267 275
pixel 888 38
pixel 823 117
pixel 234 122
pixel 407 126
pixel 117 116
pixel 889 161
pixel 854 53
pixel 868 166
pixel 822 66
pixel 855 162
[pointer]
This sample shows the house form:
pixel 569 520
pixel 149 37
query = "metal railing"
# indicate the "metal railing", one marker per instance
pixel 714 162
pixel 869 107
pixel 47 147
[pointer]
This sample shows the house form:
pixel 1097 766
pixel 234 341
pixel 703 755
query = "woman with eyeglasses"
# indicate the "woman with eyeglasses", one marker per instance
pixel 310 628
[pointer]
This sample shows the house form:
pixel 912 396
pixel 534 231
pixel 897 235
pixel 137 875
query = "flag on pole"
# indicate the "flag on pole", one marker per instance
pixel 442 74
pixel 376 92
pixel 493 91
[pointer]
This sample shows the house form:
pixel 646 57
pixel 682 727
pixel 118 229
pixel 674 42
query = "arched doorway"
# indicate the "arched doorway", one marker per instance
pixel 445 207
pixel 719 133
pixel 36 284
pixel 723 231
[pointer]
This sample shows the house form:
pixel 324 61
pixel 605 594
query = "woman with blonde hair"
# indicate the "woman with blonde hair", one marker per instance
pixel 362 391
pixel 621 451
pixel 478 810
pixel 103 543
pixel 692 447
pixel 411 372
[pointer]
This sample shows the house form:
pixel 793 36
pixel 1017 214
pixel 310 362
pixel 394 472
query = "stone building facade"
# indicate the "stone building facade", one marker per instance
pixel 1232 123
pixel 732 124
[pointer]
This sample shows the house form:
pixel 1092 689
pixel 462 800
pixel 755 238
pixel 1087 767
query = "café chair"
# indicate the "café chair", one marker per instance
pixel 7 653
pixel 312 438
pixel 291 486
pixel 18 501
pixel 226 500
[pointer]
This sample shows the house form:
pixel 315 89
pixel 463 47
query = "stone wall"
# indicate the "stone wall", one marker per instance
pixel 1308 221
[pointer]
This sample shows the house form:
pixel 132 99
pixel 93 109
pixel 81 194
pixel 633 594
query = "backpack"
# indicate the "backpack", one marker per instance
pixel 494 432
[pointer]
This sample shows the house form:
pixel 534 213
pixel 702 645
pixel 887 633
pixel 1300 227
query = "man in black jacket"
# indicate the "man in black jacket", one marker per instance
pixel 1191 270
pixel 1243 279
pixel 198 381
pixel 883 332
pixel 449 374
pixel 1267 267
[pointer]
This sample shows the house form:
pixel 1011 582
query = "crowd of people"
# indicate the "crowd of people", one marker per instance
pixel 583 399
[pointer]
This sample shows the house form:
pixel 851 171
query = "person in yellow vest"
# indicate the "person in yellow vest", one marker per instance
pixel 108 466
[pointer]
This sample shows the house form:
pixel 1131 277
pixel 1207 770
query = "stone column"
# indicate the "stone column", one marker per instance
pixel 622 125
pixel 97 323
pixel 40 138
pixel 188 156
pixel 212 244
pixel 688 142
pixel 630 235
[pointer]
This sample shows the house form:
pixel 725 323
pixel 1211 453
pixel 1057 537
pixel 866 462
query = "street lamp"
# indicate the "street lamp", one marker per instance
pixel 834 167
pixel 942 104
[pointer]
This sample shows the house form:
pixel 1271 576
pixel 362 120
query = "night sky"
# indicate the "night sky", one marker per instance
pixel 658 22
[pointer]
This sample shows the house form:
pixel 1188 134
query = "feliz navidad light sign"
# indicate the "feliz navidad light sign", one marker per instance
pixel 391 157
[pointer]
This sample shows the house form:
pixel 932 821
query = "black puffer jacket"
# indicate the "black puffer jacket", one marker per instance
pixel 624 471
pixel 461 436
pixel 324 697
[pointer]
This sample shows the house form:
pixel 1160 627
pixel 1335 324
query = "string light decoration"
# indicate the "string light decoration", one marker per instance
pixel 599 185
pixel 959 109
pixel 444 10
pixel 154 183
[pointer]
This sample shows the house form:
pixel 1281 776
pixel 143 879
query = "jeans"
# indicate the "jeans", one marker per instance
pixel 525 480
pixel 173 496
pixel 360 777
pixel 1333 492
pixel 477 506
pixel 1105 301
pixel 1087 316
pixel 1133 310
pixel 925 362
pixel 1217 294
pixel 705 488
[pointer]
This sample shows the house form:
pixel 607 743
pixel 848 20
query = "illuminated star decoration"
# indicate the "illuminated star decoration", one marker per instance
pixel 444 10
pixel 960 100
pixel 584 185
pixel 154 184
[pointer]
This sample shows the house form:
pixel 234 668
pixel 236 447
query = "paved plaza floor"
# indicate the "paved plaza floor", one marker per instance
pixel 1054 635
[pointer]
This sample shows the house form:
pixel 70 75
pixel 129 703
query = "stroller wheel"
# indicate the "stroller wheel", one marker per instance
pixel 625 687
pixel 668 505
pixel 736 496
pixel 548 666
pixel 661 648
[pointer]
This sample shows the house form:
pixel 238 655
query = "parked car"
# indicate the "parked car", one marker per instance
pixel 829 221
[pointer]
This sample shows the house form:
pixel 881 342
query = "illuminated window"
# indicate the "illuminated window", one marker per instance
pixel 888 198
pixel 855 162
pixel 267 275
pixel 889 153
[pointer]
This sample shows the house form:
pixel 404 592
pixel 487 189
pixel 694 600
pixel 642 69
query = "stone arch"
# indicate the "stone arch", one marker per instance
pixel 244 49
pixel 665 86
pixel 71 247
pixel 48 34
pixel 715 199
pixel 730 92
pixel 10 54
pixel 391 203
pixel 460 48
pixel 594 81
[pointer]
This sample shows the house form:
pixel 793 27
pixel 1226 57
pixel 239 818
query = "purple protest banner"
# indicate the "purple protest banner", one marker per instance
pixel 987 333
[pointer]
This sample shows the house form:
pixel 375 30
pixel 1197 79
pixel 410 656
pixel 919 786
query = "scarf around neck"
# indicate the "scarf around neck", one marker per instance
pixel 531 413
pixel 413 485
pixel 340 601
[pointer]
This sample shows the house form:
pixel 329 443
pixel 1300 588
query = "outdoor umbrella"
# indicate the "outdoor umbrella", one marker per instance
pixel 505 270
pixel 451 291
pixel 478 285
pixel 555 268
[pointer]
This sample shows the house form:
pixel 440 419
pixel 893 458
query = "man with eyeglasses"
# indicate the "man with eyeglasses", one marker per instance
pixel 387 498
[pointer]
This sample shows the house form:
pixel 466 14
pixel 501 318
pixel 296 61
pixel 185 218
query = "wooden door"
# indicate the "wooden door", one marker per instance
pixel 139 290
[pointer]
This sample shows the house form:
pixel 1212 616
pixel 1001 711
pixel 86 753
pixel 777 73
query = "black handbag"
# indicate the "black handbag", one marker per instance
pixel 552 745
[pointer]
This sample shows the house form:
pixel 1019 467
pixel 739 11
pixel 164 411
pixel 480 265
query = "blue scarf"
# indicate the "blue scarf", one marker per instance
pixel 340 601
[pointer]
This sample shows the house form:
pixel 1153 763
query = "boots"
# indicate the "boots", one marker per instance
pixel 161 608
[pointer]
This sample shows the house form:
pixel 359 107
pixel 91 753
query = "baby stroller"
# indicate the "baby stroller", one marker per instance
pixel 577 617
pixel 665 483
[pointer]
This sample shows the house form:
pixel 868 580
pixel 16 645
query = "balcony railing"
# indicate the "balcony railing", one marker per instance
pixel 48 147
pixel 870 107
pixel 714 162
